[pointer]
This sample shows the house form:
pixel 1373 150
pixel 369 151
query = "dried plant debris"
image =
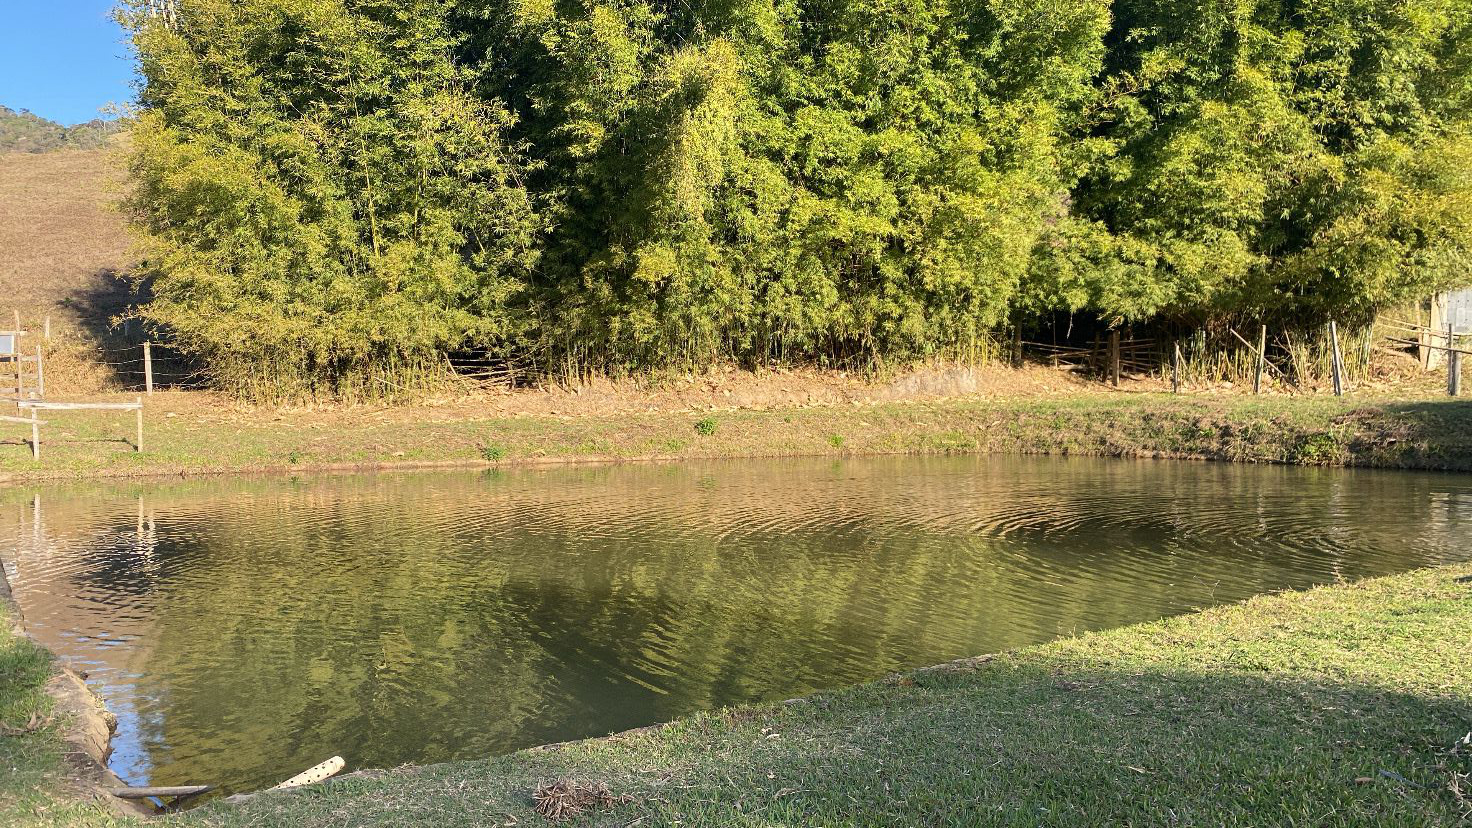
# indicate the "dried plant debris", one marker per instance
pixel 37 721
pixel 566 798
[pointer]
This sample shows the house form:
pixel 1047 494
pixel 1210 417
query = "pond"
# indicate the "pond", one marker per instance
pixel 245 629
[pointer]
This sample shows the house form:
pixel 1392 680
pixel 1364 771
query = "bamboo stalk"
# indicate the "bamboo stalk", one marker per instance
pixel 1262 358
pixel 1260 354
pixel 1336 360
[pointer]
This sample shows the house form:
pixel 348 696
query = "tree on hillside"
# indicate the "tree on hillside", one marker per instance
pixel 24 131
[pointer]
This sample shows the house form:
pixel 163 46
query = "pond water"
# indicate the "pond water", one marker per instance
pixel 245 629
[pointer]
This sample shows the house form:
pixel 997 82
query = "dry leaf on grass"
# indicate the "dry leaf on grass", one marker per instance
pixel 36 723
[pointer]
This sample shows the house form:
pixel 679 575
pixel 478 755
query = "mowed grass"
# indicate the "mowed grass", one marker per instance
pixel 1344 705
pixel 194 432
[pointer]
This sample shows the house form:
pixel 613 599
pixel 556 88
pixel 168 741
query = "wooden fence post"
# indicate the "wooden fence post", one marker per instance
pixel 148 368
pixel 1336 362
pixel 1262 358
pixel 1453 361
pixel 40 375
pixel 1114 357
pixel 1175 369
pixel 35 437
pixel 140 424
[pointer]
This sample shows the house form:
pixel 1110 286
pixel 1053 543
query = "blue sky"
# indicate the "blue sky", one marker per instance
pixel 63 59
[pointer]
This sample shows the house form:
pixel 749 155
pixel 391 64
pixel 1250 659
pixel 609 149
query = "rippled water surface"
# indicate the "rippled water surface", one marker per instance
pixel 245 629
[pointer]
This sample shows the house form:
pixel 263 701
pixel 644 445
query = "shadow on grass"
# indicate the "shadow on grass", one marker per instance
pixel 106 312
pixel 1433 434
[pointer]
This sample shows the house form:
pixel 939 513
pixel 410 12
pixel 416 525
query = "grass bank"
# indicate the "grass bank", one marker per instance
pixel 191 433
pixel 37 784
pixel 1339 706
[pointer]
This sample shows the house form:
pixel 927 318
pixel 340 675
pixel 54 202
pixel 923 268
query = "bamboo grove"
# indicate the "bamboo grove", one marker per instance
pixel 335 194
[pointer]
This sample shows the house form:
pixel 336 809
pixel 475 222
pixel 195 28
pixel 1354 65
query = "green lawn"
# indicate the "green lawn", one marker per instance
pixel 1339 706
pixel 195 433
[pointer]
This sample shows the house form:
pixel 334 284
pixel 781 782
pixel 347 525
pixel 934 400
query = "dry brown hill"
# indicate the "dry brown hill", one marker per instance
pixel 61 243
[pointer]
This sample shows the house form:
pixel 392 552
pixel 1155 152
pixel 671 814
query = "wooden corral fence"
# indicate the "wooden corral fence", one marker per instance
pixel 22 374
pixel 41 405
pixel 1109 355
pixel 35 425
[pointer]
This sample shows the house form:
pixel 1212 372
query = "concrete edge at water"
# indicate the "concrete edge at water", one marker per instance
pixel 86 724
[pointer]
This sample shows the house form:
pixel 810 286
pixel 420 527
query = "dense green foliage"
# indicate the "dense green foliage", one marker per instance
pixel 23 131
pixel 341 191
pixel 759 178
pixel 329 208
pixel 1296 160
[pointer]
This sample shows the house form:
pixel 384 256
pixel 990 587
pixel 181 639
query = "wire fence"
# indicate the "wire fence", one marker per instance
pixel 153 364
pixel 136 365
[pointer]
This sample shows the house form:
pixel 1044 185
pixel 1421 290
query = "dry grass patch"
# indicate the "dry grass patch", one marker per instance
pixel 567 798
pixel 60 240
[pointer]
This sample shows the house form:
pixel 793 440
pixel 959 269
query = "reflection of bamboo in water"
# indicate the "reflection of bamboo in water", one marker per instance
pixel 348 601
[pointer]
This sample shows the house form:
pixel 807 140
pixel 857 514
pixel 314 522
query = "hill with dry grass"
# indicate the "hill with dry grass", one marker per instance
pixel 62 245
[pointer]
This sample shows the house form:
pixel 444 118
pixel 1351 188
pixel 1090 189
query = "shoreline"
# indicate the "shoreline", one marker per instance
pixel 188 437
pixel 87 725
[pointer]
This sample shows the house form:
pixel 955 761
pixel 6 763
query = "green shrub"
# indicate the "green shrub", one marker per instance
pixel 706 426
pixel 1322 449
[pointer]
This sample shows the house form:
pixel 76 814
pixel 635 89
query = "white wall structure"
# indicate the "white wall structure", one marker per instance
pixel 1459 311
